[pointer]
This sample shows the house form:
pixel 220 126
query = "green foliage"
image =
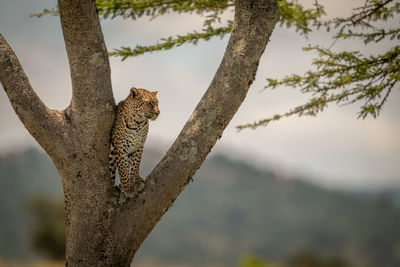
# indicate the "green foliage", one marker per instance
pixel 295 15
pixel 171 42
pixel 137 8
pixel 292 14
pixel 343 77
pixel 44 12
pixel 311 259
pixel 347 77
pixel 300 259
pixel 251 261
pixel 211 10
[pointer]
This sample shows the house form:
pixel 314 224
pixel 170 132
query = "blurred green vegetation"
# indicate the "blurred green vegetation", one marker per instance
pixel 299 259
pixel 40 263
pixel 252 261
pixel 23 175
pixel 311 259
pixel 48 231
pixel 230 209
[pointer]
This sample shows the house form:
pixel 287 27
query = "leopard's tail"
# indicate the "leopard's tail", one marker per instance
pixel 113 163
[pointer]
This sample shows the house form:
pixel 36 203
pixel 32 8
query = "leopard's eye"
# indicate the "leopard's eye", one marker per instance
pixel 151 105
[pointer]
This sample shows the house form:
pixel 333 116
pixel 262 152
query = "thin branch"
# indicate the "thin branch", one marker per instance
pixel 44 124
pixel 343 78
pixel 135 9
pixel 367 11
pixel 169 43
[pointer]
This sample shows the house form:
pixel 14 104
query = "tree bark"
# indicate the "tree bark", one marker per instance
pixel 103 228
pixel 89 202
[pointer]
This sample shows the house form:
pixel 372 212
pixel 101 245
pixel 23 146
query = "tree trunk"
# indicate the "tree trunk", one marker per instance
pixel 103 228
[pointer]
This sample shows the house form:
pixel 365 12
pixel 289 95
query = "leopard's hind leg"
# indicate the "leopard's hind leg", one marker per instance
pixel 128 169
pixel 138 183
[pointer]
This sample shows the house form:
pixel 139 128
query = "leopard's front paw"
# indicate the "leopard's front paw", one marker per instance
pixel 140 184
pixel 134 189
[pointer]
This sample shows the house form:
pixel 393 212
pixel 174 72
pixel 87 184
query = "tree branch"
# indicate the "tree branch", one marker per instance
pixel 90 116
pixel 91 112
pixel 253 25
pixel 44 124
pixel 88 59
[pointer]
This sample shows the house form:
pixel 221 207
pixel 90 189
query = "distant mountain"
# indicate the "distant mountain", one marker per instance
pixel 229 210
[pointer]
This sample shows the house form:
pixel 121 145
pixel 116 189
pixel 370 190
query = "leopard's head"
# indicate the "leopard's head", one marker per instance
pixel 145 102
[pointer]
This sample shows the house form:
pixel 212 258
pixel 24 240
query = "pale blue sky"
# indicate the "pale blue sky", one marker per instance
pixel 335 148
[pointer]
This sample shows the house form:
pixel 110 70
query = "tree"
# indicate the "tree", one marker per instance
pixel 102 227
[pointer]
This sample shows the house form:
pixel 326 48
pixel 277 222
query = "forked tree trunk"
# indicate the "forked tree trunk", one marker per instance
pixel 102 227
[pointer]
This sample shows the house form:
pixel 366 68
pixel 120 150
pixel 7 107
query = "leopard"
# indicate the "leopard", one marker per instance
pixel 128 135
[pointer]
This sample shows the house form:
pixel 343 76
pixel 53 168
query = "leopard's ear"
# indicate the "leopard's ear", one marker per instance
pixel 134 92
pixel 155 93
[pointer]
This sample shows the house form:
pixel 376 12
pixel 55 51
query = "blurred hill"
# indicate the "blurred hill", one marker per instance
pixel 231 209
pixel 23 175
